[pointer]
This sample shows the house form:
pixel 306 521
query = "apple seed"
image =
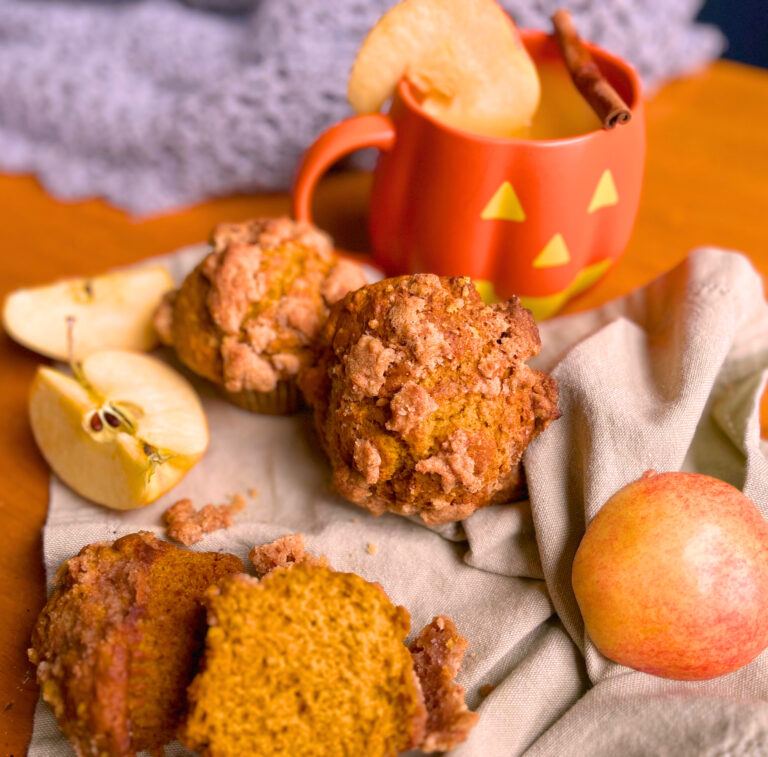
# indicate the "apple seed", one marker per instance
pixel 113 420
pixel 122 416
pixel 96 423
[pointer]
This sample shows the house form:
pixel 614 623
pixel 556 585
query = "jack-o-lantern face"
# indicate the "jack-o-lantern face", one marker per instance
pixel 553 277
pixel 540 220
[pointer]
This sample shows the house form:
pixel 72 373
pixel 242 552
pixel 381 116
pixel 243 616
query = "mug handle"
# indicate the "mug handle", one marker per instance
pixel 373 130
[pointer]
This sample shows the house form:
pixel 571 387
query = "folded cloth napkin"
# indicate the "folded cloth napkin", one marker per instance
pixel 668 377
pixel 155 104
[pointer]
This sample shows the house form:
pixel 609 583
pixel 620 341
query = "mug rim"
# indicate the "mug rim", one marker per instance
pixel 406 94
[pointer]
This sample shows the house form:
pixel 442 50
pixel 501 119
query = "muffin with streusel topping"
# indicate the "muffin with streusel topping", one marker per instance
pixel 311 661
pixel 423 399
pixel 119 641
pixel 246 316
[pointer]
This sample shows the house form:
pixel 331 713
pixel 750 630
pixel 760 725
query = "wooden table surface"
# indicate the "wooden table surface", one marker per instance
pixel 705 184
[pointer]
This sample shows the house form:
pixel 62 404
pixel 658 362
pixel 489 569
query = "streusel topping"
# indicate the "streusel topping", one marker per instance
pixel 423 398
pixel 247 315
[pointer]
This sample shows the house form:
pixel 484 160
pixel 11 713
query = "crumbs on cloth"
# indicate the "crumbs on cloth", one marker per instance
pixel 188 526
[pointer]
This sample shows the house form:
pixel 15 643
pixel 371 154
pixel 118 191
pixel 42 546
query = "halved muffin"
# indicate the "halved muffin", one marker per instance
pixel 310 661
pixel 119 640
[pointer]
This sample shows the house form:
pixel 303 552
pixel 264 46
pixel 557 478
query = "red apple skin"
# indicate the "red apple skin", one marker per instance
pixel 672 577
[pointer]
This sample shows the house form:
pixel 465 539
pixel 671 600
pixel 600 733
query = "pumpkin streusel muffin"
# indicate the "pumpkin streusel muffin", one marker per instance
pixel 305 661
pixel 119 640
pixel 246 316
pixel 323 669
pixel 423 399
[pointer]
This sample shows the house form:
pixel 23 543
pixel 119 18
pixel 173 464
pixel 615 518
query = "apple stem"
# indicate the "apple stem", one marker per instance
pixel 75 366
pixel 70 339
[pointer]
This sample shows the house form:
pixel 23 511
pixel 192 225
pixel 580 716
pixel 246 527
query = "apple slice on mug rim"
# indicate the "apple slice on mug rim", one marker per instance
pixel 465 57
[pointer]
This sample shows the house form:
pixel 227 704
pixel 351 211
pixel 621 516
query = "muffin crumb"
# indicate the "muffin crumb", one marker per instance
pixel 486 689
pixel 437 655
pixel 188 526
pixel 367 364
pixel 367 460
pixel 284 552
pixel 372 548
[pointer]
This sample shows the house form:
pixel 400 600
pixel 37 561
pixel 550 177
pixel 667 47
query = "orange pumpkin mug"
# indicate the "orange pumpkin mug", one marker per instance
pixel 539 218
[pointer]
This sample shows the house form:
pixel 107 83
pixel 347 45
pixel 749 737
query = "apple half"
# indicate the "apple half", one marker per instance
pixel 113 311
pixel 122 431
pixel 465 57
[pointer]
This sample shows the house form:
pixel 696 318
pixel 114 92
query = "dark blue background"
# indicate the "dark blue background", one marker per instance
pixel 745 23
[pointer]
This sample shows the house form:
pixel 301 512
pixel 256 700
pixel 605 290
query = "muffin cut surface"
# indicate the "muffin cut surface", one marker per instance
pixel 306 661
pixel 118 641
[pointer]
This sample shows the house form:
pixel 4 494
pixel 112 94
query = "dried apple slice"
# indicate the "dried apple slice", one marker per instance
pixel 465 56
pixel 121 432
pixel 113 311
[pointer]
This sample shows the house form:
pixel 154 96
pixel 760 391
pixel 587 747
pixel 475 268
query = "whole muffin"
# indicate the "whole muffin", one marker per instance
pixel 246 316
pixel 119 640
pixel 422 397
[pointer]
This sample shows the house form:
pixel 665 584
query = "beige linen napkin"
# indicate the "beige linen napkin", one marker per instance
pixel 667 378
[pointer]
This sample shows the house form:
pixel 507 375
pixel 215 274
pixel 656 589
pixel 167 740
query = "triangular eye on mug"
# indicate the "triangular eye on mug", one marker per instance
pixel 554 253
pixel 504 205
pixel 605 193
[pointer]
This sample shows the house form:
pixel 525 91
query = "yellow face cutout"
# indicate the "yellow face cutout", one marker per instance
pixel 554 253
pixel 605 193
pixel 546 277
pixel 504 205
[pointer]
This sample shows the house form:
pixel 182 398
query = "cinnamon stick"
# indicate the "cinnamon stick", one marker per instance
pixel 607 103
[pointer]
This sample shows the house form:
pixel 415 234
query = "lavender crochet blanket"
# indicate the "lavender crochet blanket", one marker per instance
pixel 156 103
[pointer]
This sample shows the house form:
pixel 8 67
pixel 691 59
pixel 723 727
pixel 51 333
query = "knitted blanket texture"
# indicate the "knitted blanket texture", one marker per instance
pixel 156 104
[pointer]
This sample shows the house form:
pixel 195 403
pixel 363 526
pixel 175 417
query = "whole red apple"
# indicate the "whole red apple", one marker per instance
pixel 672 577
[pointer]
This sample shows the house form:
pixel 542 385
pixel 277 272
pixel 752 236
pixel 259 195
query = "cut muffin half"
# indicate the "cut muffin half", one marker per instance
pixel 119 640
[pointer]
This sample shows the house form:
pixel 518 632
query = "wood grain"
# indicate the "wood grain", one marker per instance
pixel 705 184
